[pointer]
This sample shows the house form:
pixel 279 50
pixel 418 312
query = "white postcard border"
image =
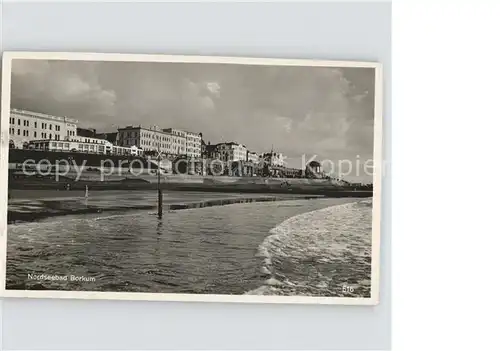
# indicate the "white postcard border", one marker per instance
pixel 377 181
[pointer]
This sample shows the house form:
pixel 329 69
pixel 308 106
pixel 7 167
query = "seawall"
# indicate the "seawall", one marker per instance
pixel 247 186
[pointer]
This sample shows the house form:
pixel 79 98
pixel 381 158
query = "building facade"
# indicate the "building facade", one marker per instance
pixel 25 126
pixel 211 151
pixel 169 141
pixel 84 146
pixel 274 159
pixel 232 151
pixel 177 141
pixel 193 145
pixel 252 157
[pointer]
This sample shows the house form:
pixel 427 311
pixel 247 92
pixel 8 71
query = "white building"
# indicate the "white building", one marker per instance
pixel 121 150
pixel 252 157
pixel 101 148
pixel 25 126
pixel 232 151
pixel 169 141
pixel 273 159
pixel 193 144
pixel 178 144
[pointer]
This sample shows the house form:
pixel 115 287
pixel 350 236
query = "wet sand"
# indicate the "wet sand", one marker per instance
pixel 27 205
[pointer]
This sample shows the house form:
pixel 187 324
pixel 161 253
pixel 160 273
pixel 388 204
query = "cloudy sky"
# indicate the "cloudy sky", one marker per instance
pixel 327 112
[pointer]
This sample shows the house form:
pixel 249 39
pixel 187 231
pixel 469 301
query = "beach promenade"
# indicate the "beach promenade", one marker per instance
pixel 94 180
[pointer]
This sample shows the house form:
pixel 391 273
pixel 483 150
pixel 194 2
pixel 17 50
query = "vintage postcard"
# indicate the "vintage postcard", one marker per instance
pixel 185 178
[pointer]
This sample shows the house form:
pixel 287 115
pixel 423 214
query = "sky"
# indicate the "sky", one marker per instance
pixel 320 113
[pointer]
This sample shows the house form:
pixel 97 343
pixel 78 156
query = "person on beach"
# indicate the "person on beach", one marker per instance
pixel 287 184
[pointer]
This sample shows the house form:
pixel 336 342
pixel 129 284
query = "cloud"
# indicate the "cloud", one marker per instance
pixel 214 88
pixel 296 110
pixel 51 88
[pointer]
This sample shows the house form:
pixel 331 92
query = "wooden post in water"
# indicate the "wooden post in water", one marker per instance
pixel 160 195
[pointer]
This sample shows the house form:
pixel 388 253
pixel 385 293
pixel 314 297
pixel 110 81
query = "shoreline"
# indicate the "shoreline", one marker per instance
pixel 32 210
pixel 206 185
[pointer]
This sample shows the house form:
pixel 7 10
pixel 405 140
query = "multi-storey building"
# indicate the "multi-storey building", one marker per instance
pixel 85 145
pixel 232 151
pixel 169 141
pixel 273 159
pixel 252 157
pixel 211 151
pixel 148 139
pixel 193 144
pixel 27 125
pixel 178 141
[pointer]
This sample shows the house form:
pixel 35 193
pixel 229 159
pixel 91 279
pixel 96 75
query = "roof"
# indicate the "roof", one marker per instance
pixel 43 115
pixel 314 164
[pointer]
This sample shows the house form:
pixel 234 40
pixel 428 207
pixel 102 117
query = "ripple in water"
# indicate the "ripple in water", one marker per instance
pixel 318 252
pixel 207 251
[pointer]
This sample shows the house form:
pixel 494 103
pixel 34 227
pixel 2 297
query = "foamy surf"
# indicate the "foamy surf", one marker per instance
pixel 318 252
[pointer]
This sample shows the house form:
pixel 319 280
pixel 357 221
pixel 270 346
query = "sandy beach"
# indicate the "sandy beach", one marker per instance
pixel 32 205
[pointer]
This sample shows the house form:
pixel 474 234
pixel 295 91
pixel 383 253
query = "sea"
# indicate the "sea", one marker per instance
pixel 314 247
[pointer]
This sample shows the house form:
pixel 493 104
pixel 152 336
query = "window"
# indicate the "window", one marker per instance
pixel 50 126
pixel 50 136
pixel 35 124
pixel 34 133
pixel 19 132
pixel 54 144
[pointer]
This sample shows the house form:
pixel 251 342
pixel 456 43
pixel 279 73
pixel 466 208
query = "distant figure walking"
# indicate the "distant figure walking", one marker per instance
pixel 86 191
pixel 286 184
pixel 68 186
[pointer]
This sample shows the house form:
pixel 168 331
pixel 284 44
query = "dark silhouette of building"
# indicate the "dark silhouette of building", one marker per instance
pixel 210 151
pixel 112 137
pixel 313 170
pixel 86 132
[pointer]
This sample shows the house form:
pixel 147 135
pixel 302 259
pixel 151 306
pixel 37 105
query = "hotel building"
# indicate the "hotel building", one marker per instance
pixel 252 157
pixel 193 144
pixel 25 126
pixel 85 145
pixel 232 151
pixel 177 141
pixel 168 141
pixel 273 159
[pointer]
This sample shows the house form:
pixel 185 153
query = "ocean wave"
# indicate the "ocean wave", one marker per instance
pixel 318 252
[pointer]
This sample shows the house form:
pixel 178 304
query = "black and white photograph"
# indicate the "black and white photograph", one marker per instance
pixel 190 178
